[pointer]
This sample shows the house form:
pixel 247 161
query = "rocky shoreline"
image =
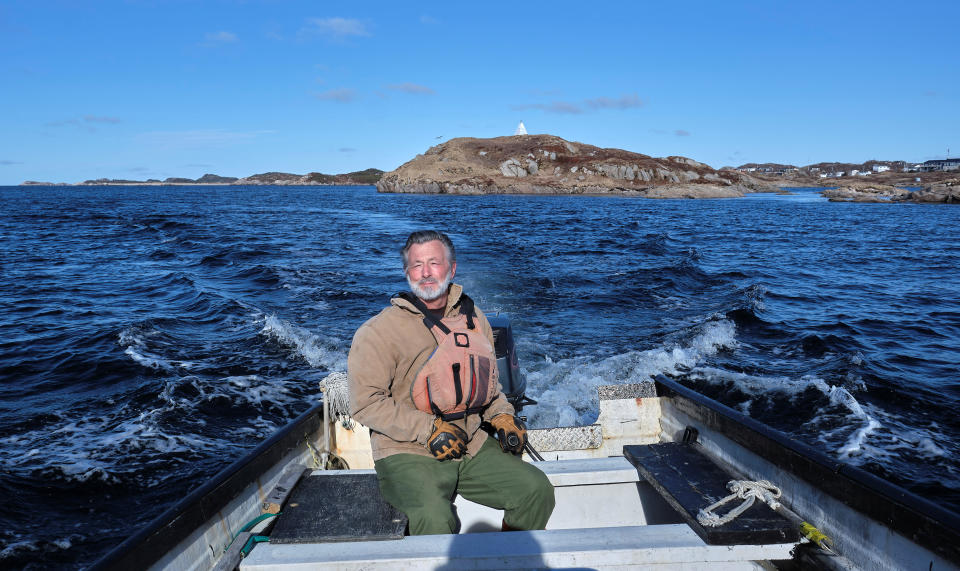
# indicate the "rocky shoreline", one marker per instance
pixel 945 192
pixel 546 164
pixel 366 177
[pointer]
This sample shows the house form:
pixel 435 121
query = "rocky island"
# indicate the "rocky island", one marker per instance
pixel 947 191
pixel 546 164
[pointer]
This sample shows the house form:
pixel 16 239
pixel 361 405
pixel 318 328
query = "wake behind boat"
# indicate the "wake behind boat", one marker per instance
pixel 640 487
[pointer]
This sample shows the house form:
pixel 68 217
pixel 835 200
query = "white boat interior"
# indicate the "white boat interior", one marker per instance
pixel 628 489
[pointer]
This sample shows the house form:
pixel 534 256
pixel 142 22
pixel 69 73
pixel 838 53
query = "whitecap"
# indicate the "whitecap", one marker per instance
pixel 566 388
pixel 305 344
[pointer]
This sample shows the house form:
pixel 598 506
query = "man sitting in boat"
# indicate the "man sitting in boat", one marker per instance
pixel 423 377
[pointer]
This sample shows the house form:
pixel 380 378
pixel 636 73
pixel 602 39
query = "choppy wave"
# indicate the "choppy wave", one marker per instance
pixel 316 350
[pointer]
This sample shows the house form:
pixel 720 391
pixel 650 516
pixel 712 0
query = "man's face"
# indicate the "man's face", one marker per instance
pixel 428 271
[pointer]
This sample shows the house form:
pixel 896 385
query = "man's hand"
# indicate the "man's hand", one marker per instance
pixel 511 432
pixel 447 441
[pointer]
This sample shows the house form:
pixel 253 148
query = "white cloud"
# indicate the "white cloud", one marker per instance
pixel 342 95
pixel 219 38
pixel 336 28
pixel 572 108
pixel 623 102
pixel 84 123
pixel 9 163
pixel 429 20
pixel 554 107
pixel 99 119
pixel 681 133
pixel 347 150
pixel 411 88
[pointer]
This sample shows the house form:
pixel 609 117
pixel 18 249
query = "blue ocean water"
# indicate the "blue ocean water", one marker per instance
pixel 151 335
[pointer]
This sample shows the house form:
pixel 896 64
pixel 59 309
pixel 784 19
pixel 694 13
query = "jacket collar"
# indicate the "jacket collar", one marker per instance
pixel 453 300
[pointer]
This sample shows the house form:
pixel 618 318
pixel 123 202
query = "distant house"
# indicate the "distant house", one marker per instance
pixel 854 172
pixel 939 165
pixel 880 168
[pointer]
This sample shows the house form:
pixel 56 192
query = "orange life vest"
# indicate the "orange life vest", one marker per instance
pixel 461 375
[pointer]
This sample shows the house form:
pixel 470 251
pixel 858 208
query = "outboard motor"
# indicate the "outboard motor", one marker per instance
pixel 512 381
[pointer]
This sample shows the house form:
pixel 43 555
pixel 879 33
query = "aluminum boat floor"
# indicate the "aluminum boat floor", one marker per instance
pixel 673 546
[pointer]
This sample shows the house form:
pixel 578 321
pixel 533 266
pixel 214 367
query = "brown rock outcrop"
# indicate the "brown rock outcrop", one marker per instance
pixel 866 192
pixel 947 191
pixel 545 164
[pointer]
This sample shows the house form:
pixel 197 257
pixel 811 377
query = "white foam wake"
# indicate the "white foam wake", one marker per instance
pixel 853 431
pixel 135 338
pixel 320 352
pixel 566 389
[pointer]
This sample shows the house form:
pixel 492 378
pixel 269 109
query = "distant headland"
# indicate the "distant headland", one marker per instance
pixel 358 178
pixel 546 164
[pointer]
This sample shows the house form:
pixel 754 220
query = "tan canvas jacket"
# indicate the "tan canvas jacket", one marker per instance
pixel 387 353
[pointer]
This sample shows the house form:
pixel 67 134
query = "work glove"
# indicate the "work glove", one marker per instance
pixel 511 432
pixel 447 441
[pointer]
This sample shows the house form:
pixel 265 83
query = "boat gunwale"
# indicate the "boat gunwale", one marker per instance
pixel 920 520
pixel 148 545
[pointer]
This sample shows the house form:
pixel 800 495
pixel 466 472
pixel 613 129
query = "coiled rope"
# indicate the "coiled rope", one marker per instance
pixel 337 395
pixel 746 490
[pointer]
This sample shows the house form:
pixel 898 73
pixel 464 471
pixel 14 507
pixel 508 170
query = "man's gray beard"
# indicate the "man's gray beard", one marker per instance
pixel 427 295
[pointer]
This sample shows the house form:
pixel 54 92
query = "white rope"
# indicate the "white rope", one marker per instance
pixel 336 394
pixel 747 491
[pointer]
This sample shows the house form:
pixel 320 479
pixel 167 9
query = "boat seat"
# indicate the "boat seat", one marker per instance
pixel 690 481
pixel 334 506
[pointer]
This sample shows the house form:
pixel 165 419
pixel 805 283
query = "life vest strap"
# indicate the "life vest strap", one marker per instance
pixel 463 413
pixel 431 320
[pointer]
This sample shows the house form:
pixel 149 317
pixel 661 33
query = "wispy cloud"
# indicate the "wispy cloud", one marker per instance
pixel 555 107
pixel 341 95
pixel 85 123
pixel 335 28
pixel 220 38
pixel 544 92
pixel 199 138
pixel 573 108
pixel 411 88
pixel 347 150
pixel 101 119
pixel 428 20
pixel 681 133
pixel 930 94
pixel 9 163
pixel 624 102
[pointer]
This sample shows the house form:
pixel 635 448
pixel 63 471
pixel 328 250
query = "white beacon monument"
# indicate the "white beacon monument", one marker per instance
pixel 521 130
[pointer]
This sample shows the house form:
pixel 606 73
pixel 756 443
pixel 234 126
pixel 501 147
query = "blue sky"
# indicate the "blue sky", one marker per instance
pixel 151 89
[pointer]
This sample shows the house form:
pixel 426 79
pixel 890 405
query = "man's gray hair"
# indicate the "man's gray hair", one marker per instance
pixel 424 236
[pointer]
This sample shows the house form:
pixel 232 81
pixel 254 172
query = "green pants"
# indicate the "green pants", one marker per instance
pixel 424 488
